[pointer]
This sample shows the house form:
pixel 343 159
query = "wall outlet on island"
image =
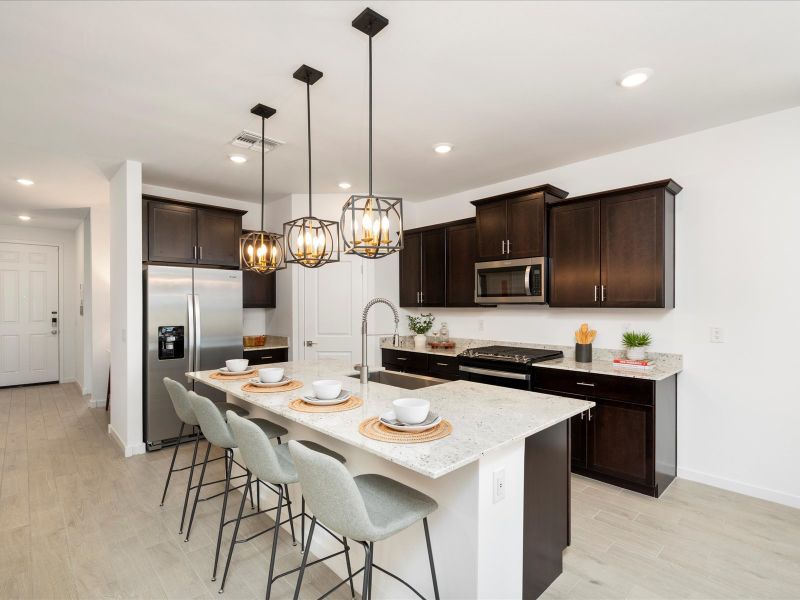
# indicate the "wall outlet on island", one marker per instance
pixel 498 486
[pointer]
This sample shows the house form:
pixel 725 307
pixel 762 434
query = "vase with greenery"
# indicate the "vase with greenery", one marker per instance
pixel 420 326
pixel 636 343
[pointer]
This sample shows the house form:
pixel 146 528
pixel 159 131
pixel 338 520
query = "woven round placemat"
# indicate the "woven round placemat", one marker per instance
pixel 292 385
pixel 375 430
pixel 237 377
pixel 299 405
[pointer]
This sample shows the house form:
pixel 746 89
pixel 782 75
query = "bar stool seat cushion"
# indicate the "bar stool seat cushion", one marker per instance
pixel 224 407
pixel 391 505
pixel 273 430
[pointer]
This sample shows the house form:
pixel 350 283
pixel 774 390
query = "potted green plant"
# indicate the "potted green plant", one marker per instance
pixel 420 326
pixel 636 343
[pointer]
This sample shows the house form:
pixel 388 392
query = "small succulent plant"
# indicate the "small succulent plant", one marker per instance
pixel 636 339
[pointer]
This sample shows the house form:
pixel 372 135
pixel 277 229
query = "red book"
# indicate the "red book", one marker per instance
pixel 638 363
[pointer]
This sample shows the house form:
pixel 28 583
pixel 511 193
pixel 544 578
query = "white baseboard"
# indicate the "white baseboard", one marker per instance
pixel 129 450
pixel 97 402
pixel 741 488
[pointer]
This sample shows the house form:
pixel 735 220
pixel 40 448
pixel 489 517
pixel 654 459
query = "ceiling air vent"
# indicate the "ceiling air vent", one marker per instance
pixel 252 141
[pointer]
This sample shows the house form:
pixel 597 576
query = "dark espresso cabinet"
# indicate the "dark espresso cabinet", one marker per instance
pixel 266 356
pixel 420 363
pixel 461 257
pixel 614 249
pixel 629 437
pixel 513 225
pixel 259 290
pixel 185 233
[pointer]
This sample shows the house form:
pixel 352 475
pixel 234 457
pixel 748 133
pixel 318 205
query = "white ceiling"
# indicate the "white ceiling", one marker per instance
pixel 517 87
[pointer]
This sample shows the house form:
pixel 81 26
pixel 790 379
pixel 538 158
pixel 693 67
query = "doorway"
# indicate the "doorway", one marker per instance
pixel 29 319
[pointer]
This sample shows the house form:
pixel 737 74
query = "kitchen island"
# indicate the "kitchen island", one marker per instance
pixel 489 540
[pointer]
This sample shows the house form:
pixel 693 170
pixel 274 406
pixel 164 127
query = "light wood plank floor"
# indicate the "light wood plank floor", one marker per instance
pixel 79 521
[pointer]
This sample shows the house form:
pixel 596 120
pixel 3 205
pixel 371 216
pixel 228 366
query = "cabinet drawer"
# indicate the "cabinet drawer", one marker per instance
pixel 400 360
pixel 263 357
pixel 445 367
pixel 624 389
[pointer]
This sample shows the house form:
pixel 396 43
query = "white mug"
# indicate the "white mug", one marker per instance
pixel 270 375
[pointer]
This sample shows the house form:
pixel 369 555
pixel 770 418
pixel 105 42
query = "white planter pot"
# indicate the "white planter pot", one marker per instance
pixel 420 341
pixel 636 353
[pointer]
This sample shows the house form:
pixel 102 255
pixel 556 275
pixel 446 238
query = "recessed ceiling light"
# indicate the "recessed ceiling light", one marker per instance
pixel 635 77
pixel 24 218
pixel 238 158
pixel 443 148
pixel 24 182
pixel 344 185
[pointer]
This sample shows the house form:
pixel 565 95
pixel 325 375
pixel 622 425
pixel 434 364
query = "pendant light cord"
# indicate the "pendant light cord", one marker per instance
pixel 308 104
pixel 370 116
pixel 263 142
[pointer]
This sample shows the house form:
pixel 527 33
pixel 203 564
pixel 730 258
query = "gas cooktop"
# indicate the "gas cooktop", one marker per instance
pixel 512 354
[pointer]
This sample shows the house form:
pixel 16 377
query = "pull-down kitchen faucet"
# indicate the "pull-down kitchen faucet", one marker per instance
pixel 364 370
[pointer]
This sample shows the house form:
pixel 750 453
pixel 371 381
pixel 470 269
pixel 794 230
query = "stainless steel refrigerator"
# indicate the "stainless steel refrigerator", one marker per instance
pixel 193 321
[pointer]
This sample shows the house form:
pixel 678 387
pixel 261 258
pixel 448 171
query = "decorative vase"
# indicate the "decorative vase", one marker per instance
pixel 636 353
pixel 419 341
pixel 583 353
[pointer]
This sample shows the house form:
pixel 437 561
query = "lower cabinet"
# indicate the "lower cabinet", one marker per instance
pixel 264 357
pixel 629 437
pixel 420 363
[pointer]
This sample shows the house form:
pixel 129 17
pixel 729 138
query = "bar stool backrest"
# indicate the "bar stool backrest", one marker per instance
pixel 180 401
pixel 331 493
pixel 257 452
pixel 211 421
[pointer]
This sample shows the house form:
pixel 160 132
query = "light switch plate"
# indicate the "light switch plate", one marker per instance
pixel 715 335
pixel 498 486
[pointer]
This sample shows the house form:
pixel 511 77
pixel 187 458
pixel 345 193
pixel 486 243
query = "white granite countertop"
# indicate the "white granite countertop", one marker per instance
pixel 266 347
pixel 484 417
pixel 665 365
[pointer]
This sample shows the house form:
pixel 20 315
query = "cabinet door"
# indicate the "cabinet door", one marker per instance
pixel 575 254
pixel 432 246
pixel 632 250
pixel 218 234
pixel 172 233
pixel 258 291
pixel 461 256
pixel 526 226
pixel 410 266
pixel 621 440
pixel 578 433
pixel 491 228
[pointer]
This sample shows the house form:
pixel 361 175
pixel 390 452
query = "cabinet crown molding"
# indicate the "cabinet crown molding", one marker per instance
pixel 551 190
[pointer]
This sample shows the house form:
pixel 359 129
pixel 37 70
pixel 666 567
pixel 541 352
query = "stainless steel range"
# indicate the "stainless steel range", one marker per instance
pixel 507 366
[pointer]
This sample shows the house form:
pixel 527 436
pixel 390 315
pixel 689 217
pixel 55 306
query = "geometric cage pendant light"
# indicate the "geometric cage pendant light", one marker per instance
pixel 372 225
pixel 262 251
pixel 310 242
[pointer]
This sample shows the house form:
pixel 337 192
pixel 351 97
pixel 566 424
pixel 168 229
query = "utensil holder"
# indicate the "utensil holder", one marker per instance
pixel 583 353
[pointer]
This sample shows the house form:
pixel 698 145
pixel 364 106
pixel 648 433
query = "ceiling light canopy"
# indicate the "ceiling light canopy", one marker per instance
pixel 238 158
pixel 372 225
pixel 310 242
pixel 261 251
pixel 635 77
pixel 25 182
pixel 23 217
pixel 443 148
pixel 344 185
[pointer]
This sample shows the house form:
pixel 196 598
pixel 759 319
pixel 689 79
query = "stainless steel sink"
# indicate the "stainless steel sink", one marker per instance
pixel 407 381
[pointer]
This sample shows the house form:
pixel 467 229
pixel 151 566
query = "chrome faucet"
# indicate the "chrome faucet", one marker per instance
pixel 363 368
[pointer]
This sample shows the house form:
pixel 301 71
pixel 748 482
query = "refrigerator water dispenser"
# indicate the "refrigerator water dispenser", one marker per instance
pixel 170 342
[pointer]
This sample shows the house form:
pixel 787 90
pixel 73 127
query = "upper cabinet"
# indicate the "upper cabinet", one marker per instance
pixel 184 233
pixel 615 249
pixel 259 290
pixel 513 225
pixel 461 256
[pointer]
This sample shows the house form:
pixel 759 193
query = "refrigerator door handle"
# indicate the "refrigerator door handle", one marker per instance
pixel 190 330
pixel 197 332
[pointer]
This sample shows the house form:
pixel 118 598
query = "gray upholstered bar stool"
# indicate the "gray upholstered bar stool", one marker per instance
pixel 217 432
pixel 272 465
pixel 183 409
pixel 365 508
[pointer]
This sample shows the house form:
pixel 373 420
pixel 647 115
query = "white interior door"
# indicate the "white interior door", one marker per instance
pixel 333 296
pixel 28 313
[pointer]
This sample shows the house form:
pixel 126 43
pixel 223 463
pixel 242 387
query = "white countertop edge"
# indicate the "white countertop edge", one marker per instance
pixel 267 347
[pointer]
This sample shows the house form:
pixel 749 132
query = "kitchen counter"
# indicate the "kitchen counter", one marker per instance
pixel 665 364
pixel 485 418
pixel 266 347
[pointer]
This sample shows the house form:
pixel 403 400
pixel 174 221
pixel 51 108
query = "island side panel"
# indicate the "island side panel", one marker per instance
pixel 546 508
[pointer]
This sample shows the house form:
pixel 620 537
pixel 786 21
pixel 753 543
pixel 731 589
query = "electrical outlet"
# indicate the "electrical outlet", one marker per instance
pixel 626 327
pixel 480 324
pixel 498 486
pixel 715 335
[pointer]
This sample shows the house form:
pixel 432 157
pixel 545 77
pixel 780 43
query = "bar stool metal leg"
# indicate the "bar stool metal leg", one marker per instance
pixel 196 431
pixel 430 558
pixel 197 493
pixel 366 588
pixel 228 468
pixel 289 508
pixel 236 530
pixel 275 540
pixel 305 560
pixel 302 523
pixel 172 464
pixel 349 568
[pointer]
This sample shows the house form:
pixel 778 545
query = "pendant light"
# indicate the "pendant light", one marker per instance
pixel 262 251
pixel 310 242
pixel 372 225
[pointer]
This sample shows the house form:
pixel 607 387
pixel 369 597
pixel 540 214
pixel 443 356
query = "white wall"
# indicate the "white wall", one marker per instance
pixel 79 236
pixel 97 300
pixel 68 286
pixel 736 268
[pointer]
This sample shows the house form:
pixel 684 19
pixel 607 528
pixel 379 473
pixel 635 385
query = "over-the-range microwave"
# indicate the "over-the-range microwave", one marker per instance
pixel 520 281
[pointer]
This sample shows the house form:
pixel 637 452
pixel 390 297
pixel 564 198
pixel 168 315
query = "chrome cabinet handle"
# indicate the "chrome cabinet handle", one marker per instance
pixel 602 293
pixel 400 358
pixel 265 357
pixel 590 414
pixel 201 253
pixel 586 384
pixel 595 293
pixel 502 246
pixel 194 252
pixel 581 416
pixel 438 364
pixel 508 246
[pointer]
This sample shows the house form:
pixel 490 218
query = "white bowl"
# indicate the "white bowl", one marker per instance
pixel 237 365
pixel 411 410
pixel 270 375
pixel 326 389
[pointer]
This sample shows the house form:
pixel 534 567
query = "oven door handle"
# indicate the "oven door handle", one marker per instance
pixel 493 373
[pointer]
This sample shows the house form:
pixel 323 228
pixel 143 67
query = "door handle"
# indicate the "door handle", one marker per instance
pixel 190 330
pixel 602 293
pixel 508 246
pixel 197 332
pixel 595 293
pixel 502 246
pixel 310 343
pixel 54 323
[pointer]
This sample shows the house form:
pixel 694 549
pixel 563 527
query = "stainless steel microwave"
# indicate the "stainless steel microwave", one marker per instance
pixel 521 281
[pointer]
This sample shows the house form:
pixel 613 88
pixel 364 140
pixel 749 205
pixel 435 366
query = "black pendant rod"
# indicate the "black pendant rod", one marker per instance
pixel 308 104
pixel 370 116
pixel 263 143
